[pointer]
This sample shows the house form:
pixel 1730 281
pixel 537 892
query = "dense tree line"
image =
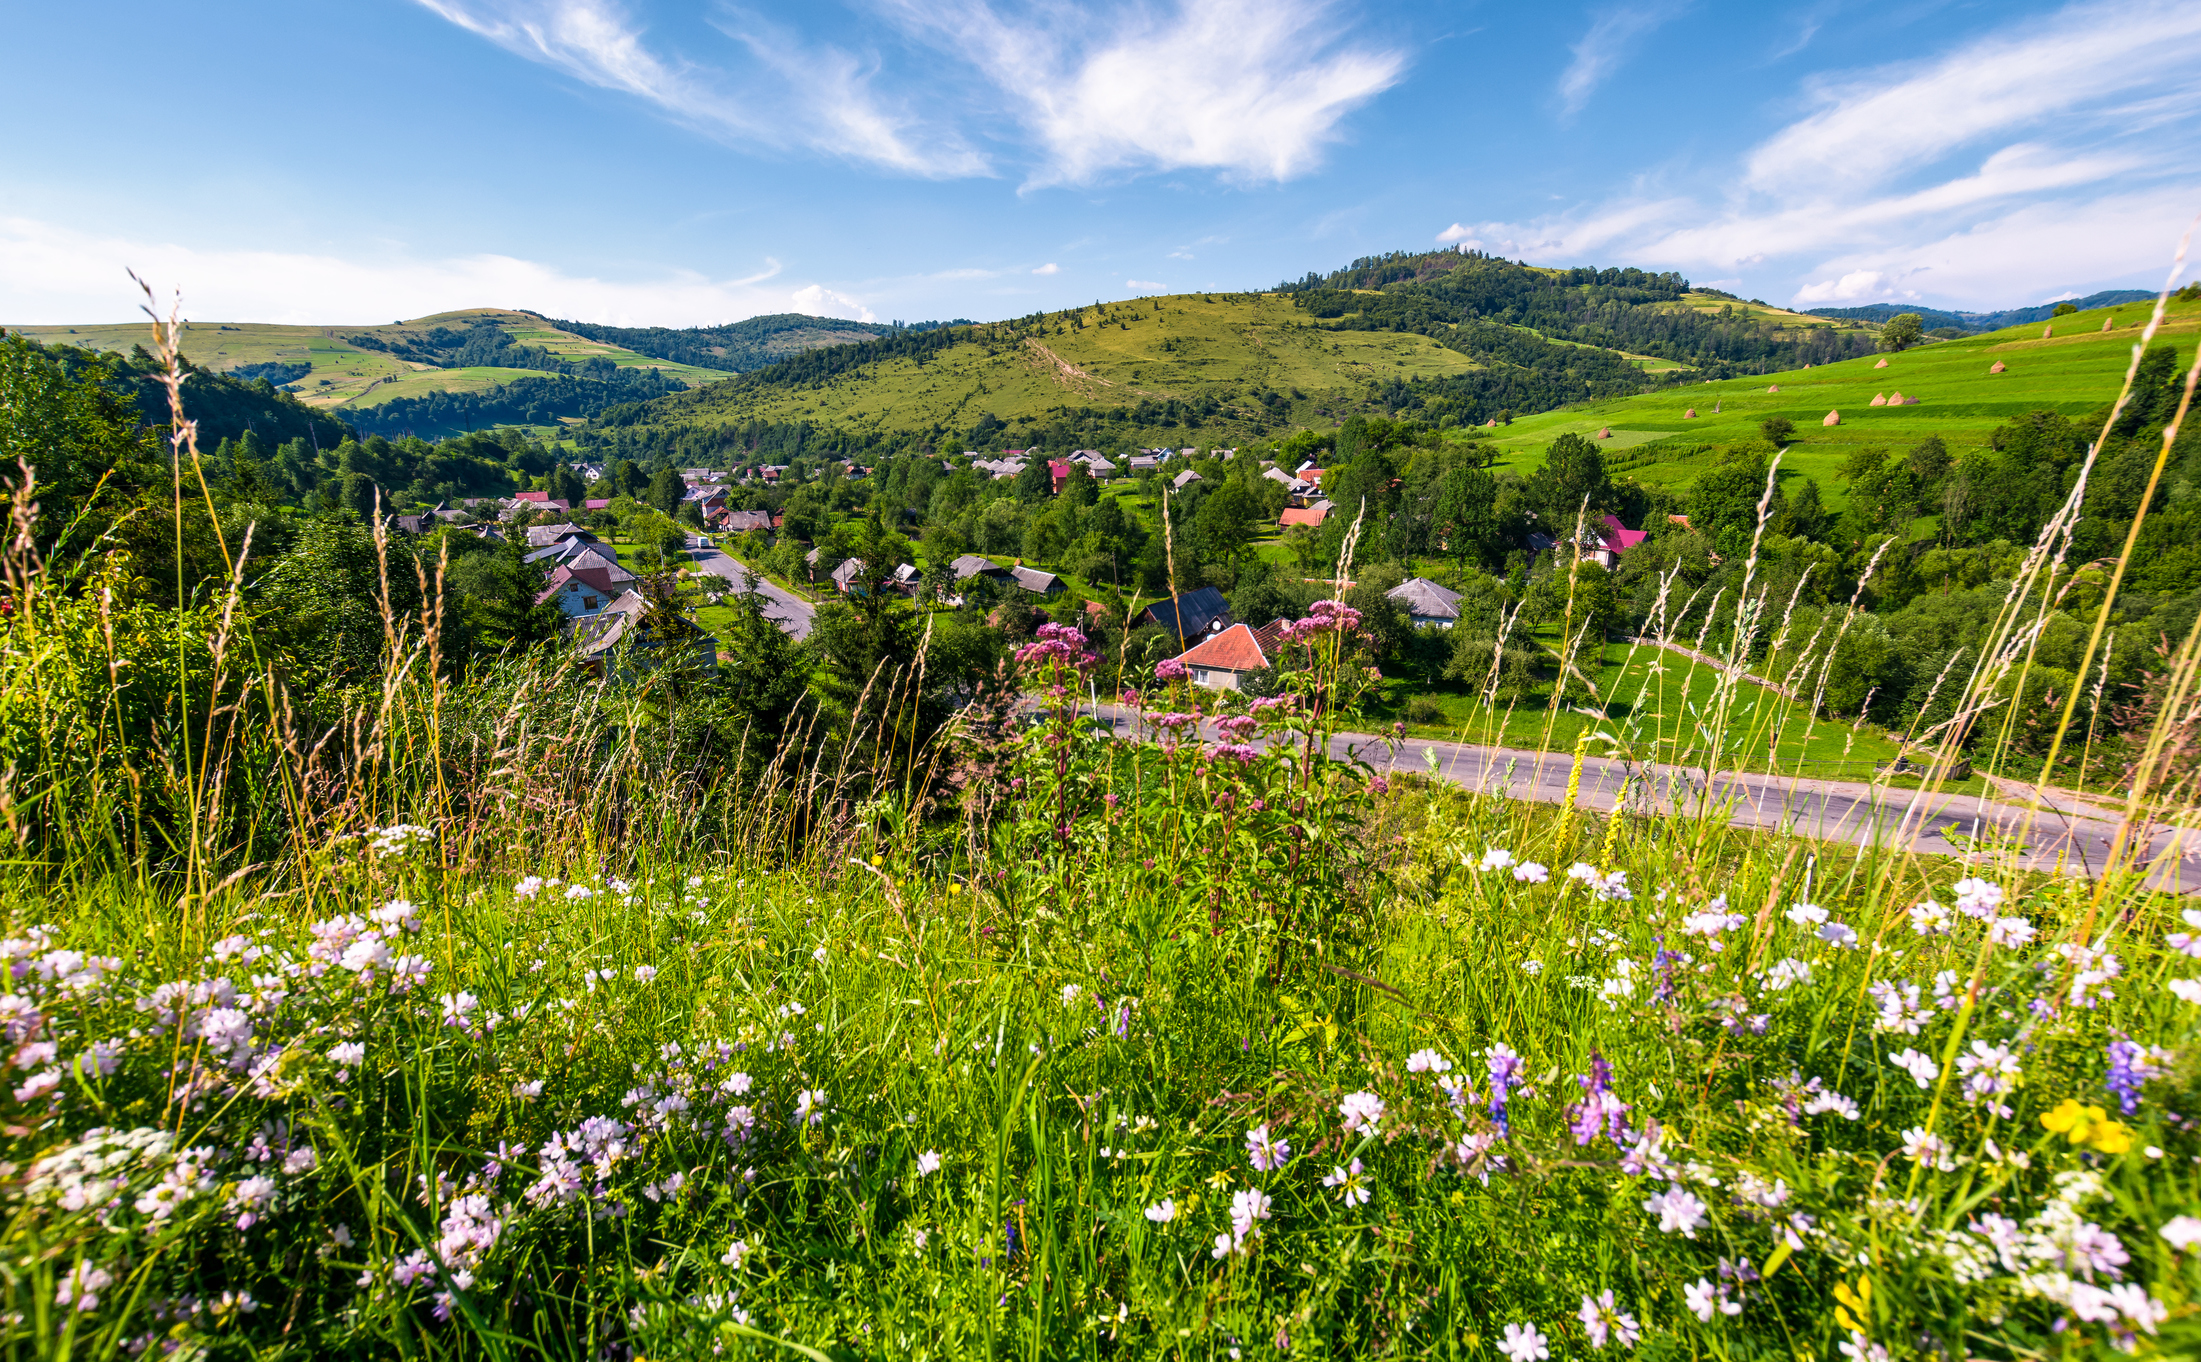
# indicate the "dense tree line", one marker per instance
pixel 1617 309
pixel 223 405
pixel 739 347
pixel 599 387
pixel 1982 321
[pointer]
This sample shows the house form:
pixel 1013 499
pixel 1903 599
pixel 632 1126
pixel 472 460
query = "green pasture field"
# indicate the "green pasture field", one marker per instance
pixel 2076 371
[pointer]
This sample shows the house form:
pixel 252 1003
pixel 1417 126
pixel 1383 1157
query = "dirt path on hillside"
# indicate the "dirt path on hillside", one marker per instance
pixel 1065 371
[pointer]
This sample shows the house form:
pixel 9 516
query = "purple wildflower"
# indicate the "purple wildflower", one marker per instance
pixel 2123 1080
pixel 1600 1110
pixel 1505 1066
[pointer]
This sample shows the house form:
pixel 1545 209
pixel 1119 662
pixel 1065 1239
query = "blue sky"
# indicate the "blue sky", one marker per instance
pixel 683 162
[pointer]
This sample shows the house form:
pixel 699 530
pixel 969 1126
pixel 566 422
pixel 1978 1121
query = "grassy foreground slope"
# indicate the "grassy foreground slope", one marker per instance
pixel 2074 371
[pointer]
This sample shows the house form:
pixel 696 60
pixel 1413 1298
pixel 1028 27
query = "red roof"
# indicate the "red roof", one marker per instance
pixel 1620 537
pixel 1233 650
pixel 1308 515
pixel 533 496
pixel 596 504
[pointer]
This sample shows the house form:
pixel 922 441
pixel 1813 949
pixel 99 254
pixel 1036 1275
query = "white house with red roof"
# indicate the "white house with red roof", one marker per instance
pixel 1224 659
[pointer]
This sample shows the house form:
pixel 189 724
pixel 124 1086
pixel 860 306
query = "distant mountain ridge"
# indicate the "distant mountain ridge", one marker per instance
pixel 1982 321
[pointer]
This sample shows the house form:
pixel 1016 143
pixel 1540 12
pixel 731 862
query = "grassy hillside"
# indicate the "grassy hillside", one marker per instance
pixel 2074 371
pixel 346 374
pixel 1232 348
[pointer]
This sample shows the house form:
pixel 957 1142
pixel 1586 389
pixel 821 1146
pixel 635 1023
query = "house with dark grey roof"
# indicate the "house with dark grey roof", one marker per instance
pixel 1427 603
pixel 1191 615
pixel 1037 582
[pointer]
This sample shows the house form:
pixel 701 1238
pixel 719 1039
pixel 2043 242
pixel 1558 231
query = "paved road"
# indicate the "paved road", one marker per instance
pixel 790 612
pixel 1930 824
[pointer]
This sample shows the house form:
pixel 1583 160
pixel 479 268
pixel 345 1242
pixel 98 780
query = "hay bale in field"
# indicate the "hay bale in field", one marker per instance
pixel 2108 322
pixel 1689 415
pixel 1997 367
pixel 1879 399
pixel 2048 330
pixel 1773 387
pixel 1881 365
pixel 1605 434
pixel 1899 400
pixel 1833 418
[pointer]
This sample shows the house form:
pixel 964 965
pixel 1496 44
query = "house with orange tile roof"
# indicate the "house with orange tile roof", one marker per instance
pixel 1222 660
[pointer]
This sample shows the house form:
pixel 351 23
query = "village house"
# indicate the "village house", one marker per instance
pixel 1223 660
pixel 1427 603
pixel 1191 615
pixel 580 592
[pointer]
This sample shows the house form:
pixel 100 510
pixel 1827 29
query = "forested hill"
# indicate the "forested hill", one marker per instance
pixel 1629 310
pixel 1984 321
pixel 736 348
pixel 224 406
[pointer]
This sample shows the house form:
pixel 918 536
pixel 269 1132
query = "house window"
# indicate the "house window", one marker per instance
pixel 588 602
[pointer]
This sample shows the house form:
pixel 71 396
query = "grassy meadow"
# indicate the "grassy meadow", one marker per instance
pixel 497 1007
pixel 543 1047
pixel 1960 401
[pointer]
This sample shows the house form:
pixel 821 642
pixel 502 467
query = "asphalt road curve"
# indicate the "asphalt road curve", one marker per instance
pixel 790 612
pixel 1830 810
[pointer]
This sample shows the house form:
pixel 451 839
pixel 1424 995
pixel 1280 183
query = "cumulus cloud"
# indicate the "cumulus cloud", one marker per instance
pixel 2033 147
pixel 50 274
pixel 1463 237
pixel 1049 268
pixel 1142 285
pixel 819 96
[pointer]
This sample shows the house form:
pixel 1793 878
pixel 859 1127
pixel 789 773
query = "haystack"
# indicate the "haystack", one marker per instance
pixel 1833 418
pixel 2048 330
pixel 1605 434
pixel 1997 367
pixel 1879 400
pixel 1493 421
pixel 1881 365
pixel 1773 387
pixel 2108 322
pixel 1689 415
pixel 1899 400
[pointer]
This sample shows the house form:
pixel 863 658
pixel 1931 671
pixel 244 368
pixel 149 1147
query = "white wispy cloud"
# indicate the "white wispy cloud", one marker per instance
pixel 1143 285
pixel 1253 89
pixel 2033 147
pixel 1612 38
pixel 1049 268
pixel 797 95
pixel 51 274
pixel 1871 127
